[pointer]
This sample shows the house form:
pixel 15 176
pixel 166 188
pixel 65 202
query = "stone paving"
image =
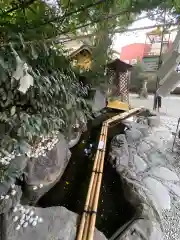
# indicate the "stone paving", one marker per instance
pixel 170 104
pixel 169 114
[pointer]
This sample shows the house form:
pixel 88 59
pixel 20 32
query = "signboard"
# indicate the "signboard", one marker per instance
pixel 150 63
pixel 158 39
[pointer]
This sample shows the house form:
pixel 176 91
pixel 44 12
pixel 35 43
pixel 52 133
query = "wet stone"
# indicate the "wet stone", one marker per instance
pixel 58 223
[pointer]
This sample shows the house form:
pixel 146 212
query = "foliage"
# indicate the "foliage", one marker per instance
pixel 56 98
pixel 137 78
pixel 48 106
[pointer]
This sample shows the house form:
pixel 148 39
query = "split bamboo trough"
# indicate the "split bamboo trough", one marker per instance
pixel 88 219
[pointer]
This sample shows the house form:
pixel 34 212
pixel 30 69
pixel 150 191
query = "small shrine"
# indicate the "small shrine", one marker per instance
pixel 119 73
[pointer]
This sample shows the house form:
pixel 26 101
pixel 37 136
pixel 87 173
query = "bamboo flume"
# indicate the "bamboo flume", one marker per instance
pixel 88 219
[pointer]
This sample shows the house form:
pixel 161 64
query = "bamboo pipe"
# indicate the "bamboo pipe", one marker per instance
pixel 117 117
pixel 96 199
pixel 91 199
pixel 86 228
pixel 123 115
pixel 98 155
pixel 83 218
pixel 93 192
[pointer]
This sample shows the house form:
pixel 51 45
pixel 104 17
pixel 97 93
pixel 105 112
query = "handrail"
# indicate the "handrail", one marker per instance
pixel 88 219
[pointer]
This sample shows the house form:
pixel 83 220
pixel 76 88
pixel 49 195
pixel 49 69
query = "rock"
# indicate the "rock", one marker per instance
pixel 132 193
pixel 133 135
pixel 58 223
pixel 140 164
pixel 143 147
pixel 156 232
pixel 174 188
pixel 16 166
pixel 46 171
pixel 99 235
pixel 142 229
pixel 83 122
pixel 75 139
pixel 148 182
pixel 142 127
pixel 76 130
pixel 119 153
pixel 154 121
pixel 142 120
pixel 145 194
pixel 159 192
pixel 8 204
pixel 155 157
pixel 160 137
pixel 165 174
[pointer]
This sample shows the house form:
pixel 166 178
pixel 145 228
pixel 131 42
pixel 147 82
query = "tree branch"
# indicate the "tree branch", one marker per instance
pixel 132 9
pixel 65 15
pixel 121 29
pixel 67 39
pixel 143 28
pixel 20 6
pixel 105 17
pixel 66 11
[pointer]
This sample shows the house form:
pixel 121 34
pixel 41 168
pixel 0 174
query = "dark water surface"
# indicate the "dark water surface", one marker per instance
pixel 71 190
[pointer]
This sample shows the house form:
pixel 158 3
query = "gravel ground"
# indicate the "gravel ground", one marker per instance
pixel 169 114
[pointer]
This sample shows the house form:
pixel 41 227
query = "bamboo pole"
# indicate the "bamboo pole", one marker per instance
pixel 83 219
pixel 86 228
pixel 123 115
pixel 96 199
pixel 84 215
pixel 88 220
pixel 93 192
pixel 92 199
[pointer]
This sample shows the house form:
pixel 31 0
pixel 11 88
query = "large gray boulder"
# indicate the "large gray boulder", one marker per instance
pixel 10 194
pixel 142 229
pixel 150 181
pixel 14 195
pixel 15 168
pixel 76 130
pixel 43 172
pixel 131 156
pixel 154 121
pixel 58 223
